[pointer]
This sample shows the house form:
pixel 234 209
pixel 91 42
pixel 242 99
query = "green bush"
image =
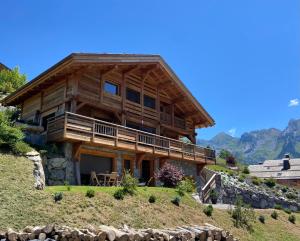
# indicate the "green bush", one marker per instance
pixel 246 170
pixel 176 200
pixel 213 195
pixel 256 181
pixel 129 184
pixel 10 135
pixel 278 206
pixel 187 185
pixel 287 210
pixel 66 183
pixel 291 195
pixel 284 189
pixel 274 215
pixel 119 194
pixel 90 193
pixel 152 199
pixel 58 196
pixel 241 178
pixel 270 182
pixel 292 218
pixel 208 210
pixel 261 218
pixel 242 215
pixel 21 147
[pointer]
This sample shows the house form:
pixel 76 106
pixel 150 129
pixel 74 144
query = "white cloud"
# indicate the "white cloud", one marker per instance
pixel 232 132
pixel 294 102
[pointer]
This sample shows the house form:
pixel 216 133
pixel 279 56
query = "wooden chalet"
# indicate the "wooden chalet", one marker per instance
pixel 116 111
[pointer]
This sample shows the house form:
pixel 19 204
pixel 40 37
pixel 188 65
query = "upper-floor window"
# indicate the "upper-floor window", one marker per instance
pixel 111 88
pixel 133 96
pixel 149 102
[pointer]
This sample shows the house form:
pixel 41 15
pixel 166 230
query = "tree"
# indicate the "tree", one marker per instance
pixel 10 80
pixel 224 154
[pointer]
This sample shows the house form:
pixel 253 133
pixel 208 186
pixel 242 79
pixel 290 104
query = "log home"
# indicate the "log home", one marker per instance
pixel 110 112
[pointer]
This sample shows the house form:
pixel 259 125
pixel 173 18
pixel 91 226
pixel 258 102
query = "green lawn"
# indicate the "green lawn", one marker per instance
pixel 22 205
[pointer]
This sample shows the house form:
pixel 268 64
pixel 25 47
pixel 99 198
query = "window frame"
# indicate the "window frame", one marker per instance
pixel 152 98
pixel 132 90
pixel 111 83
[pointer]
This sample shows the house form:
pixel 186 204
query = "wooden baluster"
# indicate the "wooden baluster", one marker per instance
pixel 93 131
pixel 116 134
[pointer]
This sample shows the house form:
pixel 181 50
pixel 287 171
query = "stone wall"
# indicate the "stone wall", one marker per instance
pixel 109 233
pixel 255 196
pixel 60 168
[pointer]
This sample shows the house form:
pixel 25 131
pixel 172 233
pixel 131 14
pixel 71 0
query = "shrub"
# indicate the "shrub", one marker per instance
pixel 58 196
pixel 169 175
pixel 241 178
pixel 278 206
pixel 213 195
pixel 208 210
pixel 270 182
pixel 292 218
pixel 291 195
pixel 246 170
pixel 119 194
pixel 90 193
pixel 261 218
pixel 287 210
pixel 256 181
pixel 129 184
pixel 242 215
pixel 10 135
pixel 187 185
pixel 176 200
pixel 284 189
pixel 274 215
pixel 152 199
pixel 21 147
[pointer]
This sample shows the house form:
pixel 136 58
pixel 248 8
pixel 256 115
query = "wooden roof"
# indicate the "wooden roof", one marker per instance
pixel 165 78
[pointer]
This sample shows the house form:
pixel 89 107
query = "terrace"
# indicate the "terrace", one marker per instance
pixel 73 127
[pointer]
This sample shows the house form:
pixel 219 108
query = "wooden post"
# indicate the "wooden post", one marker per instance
pixel 123 96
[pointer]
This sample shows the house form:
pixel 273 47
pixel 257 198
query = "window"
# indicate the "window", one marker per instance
pixel 133 96
pixel 111 88
pixel 127 165
pixel 45 120
pixel 149 129
pixel 149 102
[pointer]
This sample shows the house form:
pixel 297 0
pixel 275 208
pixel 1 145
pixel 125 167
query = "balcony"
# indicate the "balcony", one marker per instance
pixel 73 127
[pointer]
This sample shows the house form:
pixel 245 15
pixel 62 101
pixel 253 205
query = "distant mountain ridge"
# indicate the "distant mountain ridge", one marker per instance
pixel 257 146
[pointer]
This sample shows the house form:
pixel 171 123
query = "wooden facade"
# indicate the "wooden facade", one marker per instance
pixel 132 102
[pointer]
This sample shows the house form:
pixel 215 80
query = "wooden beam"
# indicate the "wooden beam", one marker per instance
pixel 130 70
pixel 110 69
pixel 178 99
pixel 80 106
pixel 138 160
pixel 165 85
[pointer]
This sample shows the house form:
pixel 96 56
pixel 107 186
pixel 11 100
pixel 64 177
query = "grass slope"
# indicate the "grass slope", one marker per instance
pixel 21 205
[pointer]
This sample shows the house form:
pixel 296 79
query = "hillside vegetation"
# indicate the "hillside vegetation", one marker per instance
pixel 21 205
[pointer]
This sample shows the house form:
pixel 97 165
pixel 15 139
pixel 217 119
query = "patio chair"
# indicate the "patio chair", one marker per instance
pixel 119 180
pixel 112 179
pixel 94 180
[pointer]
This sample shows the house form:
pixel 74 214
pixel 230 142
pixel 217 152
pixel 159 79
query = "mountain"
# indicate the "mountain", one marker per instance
pixel 257 146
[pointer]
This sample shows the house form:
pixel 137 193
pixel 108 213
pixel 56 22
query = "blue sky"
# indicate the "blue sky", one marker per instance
pixel 241 59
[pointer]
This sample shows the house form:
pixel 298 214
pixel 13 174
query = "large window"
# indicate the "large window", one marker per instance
pixel 111 88
pixel 149 102
pixel 133 96
pixel 141 127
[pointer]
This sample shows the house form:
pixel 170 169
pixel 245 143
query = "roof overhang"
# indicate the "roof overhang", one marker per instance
pixel 120 59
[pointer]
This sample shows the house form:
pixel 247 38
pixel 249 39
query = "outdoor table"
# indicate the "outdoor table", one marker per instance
pixel 105 177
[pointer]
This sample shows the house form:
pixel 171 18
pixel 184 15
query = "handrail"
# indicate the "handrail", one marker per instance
pixel 209 153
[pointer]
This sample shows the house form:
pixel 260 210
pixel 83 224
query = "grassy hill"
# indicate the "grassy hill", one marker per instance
pixel 21 205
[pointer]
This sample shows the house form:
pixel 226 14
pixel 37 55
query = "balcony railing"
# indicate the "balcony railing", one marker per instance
pixel 70 126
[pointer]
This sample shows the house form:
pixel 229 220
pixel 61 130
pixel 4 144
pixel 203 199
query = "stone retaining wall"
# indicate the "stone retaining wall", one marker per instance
pixel 108 233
